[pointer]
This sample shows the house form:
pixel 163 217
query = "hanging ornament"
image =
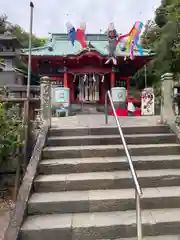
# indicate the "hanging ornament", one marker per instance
pixel 102 80
pixel 123 45
pixel 71 32
pixel 132 50
pixel 80 35
pixel 133 40
pixel 111 26
pixel 85 77
pixel 112 43
pixel 111 32
pixel 83 26
pixel 69 26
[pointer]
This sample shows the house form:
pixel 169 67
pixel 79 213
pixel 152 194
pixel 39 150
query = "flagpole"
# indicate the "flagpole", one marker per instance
pixel 26 106
pixel 30 49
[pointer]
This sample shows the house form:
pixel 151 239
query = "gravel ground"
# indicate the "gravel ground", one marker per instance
pixel 6 205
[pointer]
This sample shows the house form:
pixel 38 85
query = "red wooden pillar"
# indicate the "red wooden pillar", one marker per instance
pixel 71 87
pixel 112 79
pixel 65 78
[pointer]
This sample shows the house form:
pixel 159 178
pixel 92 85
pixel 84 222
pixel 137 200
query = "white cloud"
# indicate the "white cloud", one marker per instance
pixel 50 16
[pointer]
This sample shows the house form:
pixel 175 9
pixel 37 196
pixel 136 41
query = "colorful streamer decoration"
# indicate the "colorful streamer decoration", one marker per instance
pixel 113 39
pixel 133 40
pixel 77 35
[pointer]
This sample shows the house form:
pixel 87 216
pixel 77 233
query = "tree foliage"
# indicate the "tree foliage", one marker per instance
pixel 20 33
pixel 163 36
pixel 23 37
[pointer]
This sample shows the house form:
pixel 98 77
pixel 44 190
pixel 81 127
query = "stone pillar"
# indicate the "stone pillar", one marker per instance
pixel 167 112
pixel 46 99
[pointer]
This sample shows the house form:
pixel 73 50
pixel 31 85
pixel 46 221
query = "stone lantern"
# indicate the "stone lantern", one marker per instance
pixel 9 51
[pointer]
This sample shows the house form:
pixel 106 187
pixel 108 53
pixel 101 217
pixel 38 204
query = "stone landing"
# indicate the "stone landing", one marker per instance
pixel 96 121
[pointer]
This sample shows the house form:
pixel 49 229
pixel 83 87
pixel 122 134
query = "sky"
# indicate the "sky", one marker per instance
pixel 50 16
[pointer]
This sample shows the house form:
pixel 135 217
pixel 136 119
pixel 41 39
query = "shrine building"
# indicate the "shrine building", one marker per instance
pixel 84 71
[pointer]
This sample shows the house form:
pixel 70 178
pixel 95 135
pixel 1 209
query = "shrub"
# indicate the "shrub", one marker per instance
pixel 10 132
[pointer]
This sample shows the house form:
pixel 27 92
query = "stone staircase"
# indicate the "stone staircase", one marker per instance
pixel 84 189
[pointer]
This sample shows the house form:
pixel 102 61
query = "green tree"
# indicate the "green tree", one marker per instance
pixel 20 33
pixel 3 20
pixel 23 37
pixel 149 40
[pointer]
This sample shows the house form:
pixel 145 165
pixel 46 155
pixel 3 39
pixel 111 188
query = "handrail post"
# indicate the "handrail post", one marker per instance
pixel 106 108
pixel 138 216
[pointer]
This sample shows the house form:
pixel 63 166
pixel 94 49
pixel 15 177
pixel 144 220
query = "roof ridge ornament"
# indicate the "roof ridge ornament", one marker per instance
pixel 90 46
pixel 50 48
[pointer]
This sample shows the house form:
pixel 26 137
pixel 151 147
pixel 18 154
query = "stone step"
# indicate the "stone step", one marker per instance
pixel 102 200
pixel 99 225
pixel 78 165
pixel 106 180
pixel 109 151
pixel 112 139
pixel 106 130
pixel 162 237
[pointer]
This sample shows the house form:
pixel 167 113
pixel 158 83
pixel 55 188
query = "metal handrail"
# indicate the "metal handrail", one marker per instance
pixel 138 190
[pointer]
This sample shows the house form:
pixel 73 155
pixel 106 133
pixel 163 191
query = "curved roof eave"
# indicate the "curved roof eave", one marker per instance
pixel 42 52
pixel 45 46
pixel 34 49
pixel 25 53
pixel 79 53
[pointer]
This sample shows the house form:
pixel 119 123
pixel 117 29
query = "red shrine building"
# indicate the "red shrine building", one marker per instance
pixel 84 71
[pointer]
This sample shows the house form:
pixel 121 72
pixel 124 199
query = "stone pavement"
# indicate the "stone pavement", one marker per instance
pixel 4 219
pixel 90 121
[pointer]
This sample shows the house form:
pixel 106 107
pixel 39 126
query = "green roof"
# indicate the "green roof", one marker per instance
pixel 59 45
